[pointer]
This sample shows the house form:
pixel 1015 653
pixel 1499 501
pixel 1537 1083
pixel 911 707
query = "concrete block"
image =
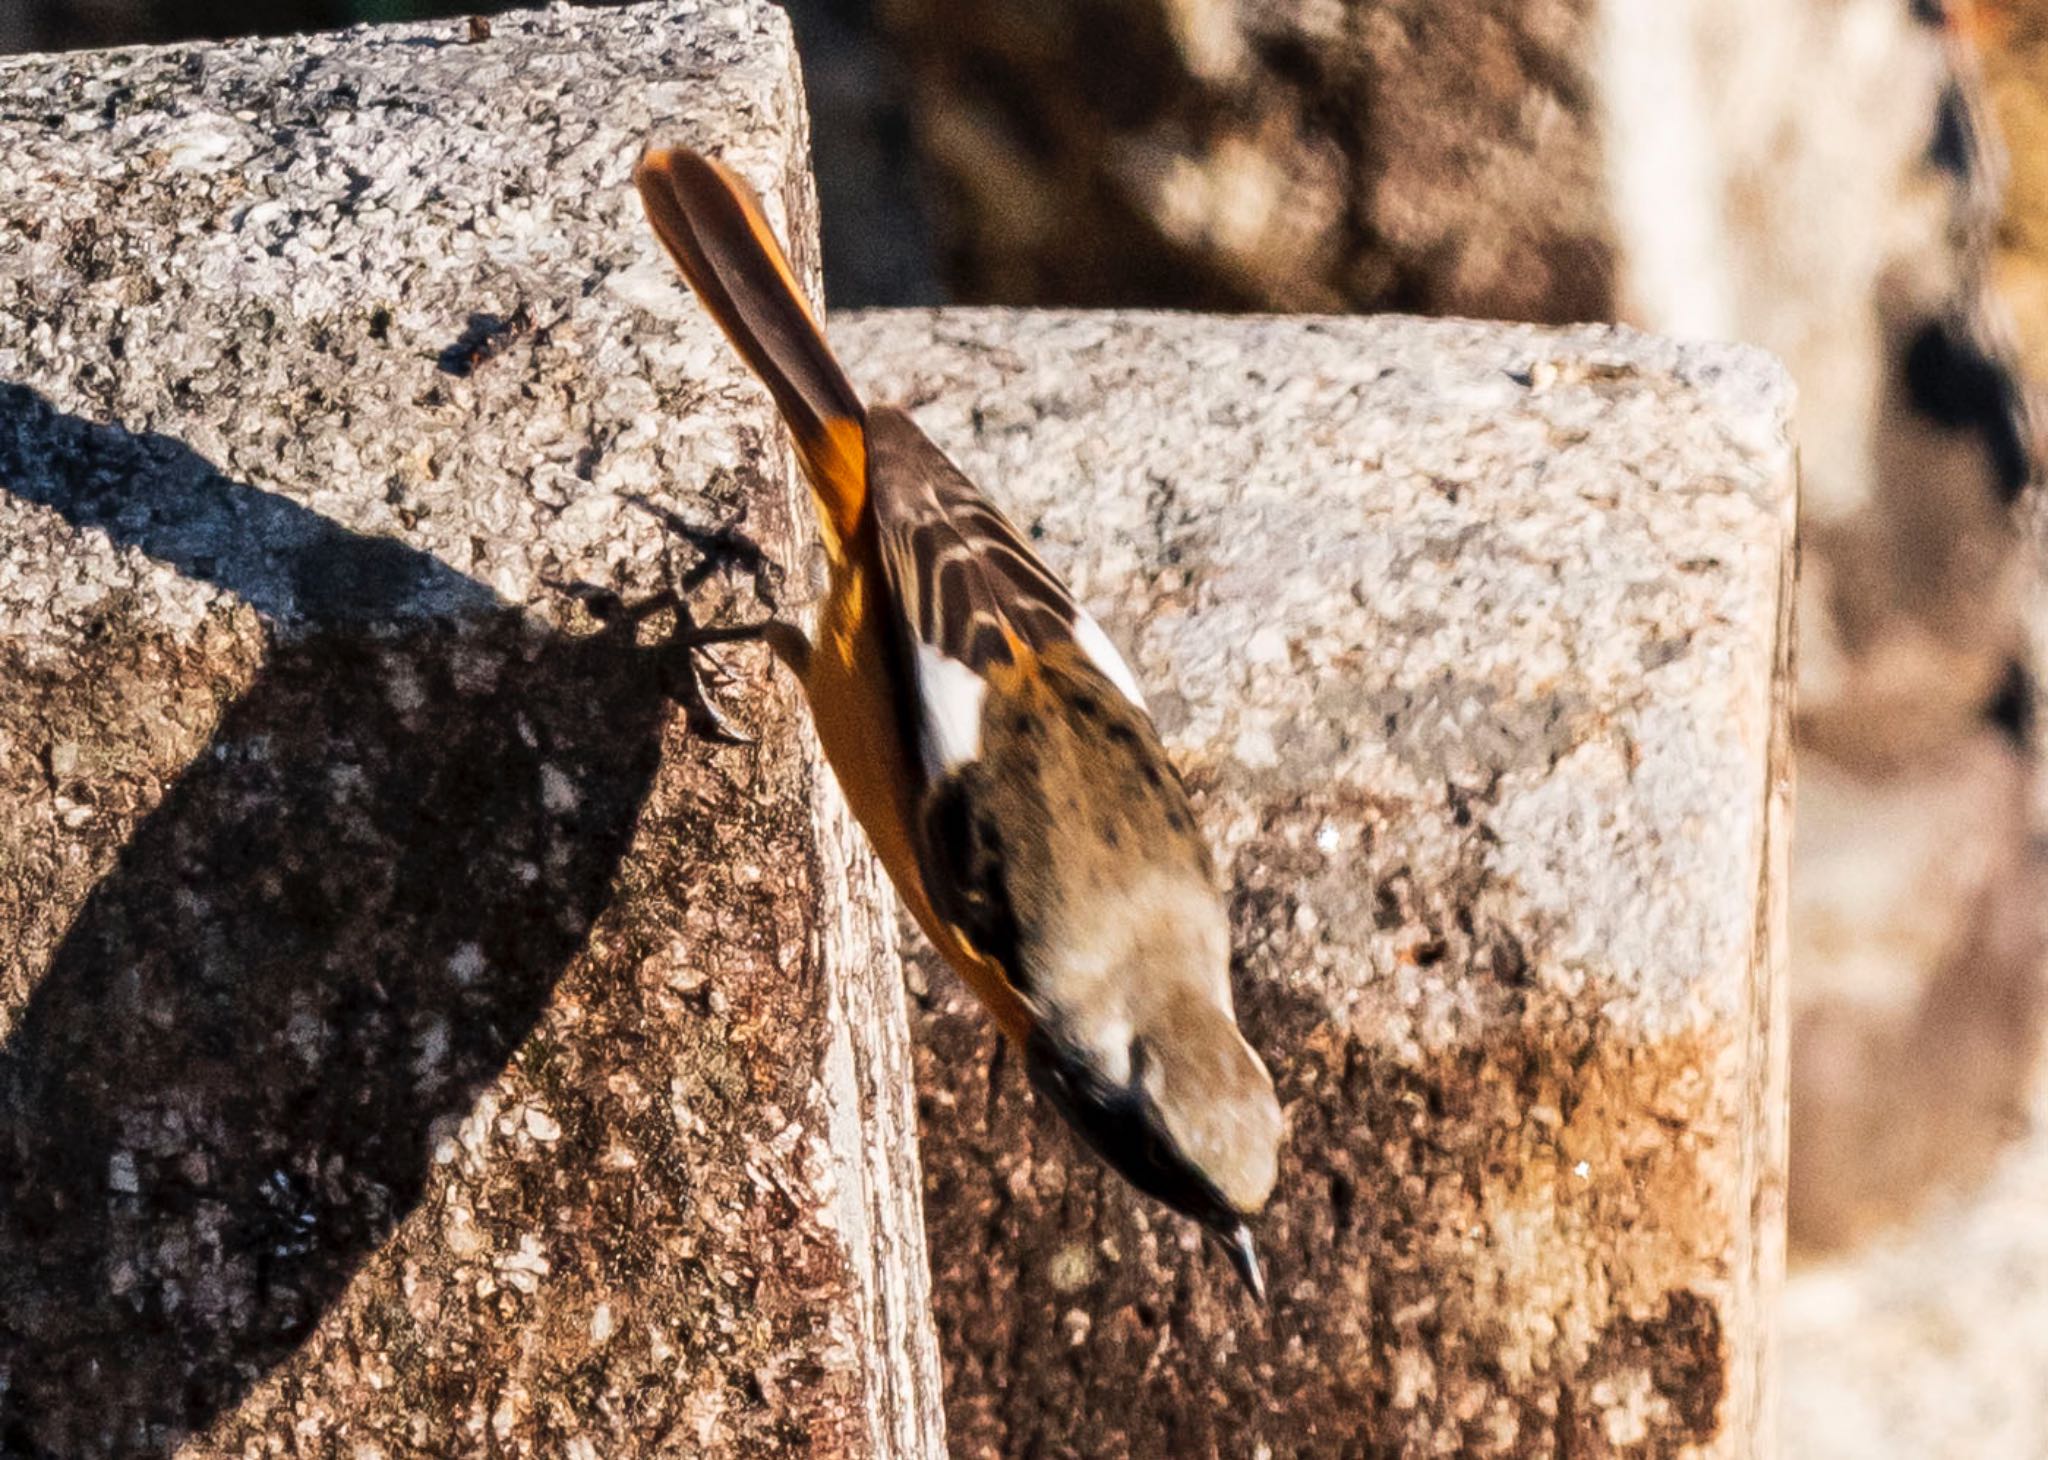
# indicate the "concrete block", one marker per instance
pixel 411 1041
pixel 1472 641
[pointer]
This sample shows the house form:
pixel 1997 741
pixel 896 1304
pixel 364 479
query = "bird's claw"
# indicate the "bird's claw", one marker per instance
pixel 705 717
pixel 706 720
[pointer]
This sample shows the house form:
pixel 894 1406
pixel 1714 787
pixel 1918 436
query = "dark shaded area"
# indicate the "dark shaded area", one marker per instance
pixel 1955 383
pixel 62 25
pixel 1043 99
pixel 1276 159
pixel 2012 708
pixel 338 925
pixel 873 203
pixel 1954 137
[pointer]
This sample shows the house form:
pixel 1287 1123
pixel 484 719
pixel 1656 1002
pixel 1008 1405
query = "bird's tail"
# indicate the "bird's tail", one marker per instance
pixel 713 227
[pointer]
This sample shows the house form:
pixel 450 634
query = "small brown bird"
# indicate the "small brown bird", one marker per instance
pixel 997 751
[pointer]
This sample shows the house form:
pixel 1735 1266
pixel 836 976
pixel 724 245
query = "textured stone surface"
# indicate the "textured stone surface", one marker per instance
pixel 1472 642
pixel 1818 178
pixel 411 1040
pixel 1821 178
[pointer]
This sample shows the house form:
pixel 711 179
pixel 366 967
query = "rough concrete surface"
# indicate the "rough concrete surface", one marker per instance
pixel 1820 177
pixel 412 1041
pixel 1472 643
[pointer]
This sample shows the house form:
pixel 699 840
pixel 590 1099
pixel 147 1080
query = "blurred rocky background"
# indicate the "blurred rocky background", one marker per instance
pixel 1859 185
pixel 2012 38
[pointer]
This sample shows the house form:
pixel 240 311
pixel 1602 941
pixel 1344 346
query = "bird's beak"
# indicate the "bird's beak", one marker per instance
pixel 1122 1125
pixel 1237 1246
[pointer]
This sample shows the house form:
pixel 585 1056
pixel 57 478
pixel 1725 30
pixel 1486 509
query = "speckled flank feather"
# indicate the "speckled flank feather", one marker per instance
pixel 1071 806
pixel 1072 857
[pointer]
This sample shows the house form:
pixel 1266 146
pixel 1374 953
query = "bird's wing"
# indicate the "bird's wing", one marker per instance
pixel 970 594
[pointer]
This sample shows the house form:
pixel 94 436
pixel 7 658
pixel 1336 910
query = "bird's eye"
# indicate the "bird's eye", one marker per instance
pixel 1157 1153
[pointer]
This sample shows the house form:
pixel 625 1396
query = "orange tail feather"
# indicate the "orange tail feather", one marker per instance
pixel 713 227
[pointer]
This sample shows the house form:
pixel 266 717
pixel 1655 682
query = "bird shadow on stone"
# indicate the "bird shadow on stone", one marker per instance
pixel 338 924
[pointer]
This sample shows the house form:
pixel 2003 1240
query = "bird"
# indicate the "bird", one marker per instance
pixel 996 749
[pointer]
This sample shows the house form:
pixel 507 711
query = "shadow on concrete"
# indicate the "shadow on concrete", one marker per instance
pixel 340 922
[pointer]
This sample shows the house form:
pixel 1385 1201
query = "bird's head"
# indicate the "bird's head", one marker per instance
pixel 1178 1103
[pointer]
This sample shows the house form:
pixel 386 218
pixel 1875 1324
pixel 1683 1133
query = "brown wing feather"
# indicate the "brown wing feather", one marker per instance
pixel 963 578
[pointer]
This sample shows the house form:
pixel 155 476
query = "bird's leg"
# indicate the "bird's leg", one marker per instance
pixel 682 680
pixel 995 1069
pixel 686 686
pixel 718 549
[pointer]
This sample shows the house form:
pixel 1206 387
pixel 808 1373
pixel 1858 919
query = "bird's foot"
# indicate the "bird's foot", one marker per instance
pixel 683 678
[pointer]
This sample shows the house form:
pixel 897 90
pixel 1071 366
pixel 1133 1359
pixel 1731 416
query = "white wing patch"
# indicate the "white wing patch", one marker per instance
pixel 949 696
pixel 1095 644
